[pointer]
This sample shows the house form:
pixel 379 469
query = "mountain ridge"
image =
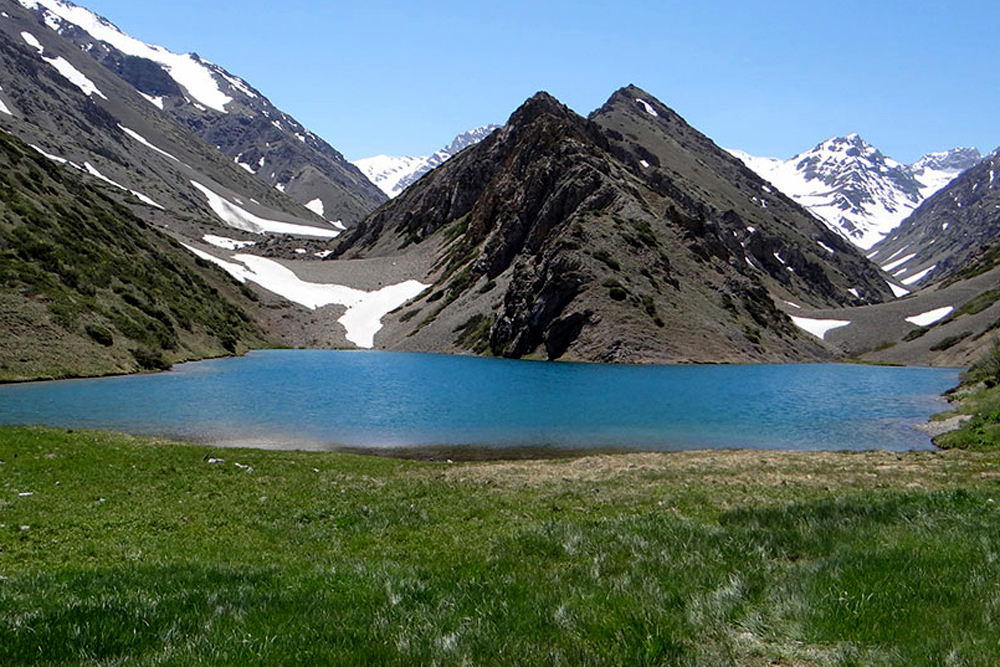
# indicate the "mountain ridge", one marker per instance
pixel 559 236
pixel 224 110
pixel 855 189
pixel 393 174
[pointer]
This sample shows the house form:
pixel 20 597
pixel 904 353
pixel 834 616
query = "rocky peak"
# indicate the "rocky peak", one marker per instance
pixel 539 104
pixel 956 160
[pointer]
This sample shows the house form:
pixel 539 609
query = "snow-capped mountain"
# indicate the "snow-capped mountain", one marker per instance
pixel 393 174
pixel 222 109
pixel 855 189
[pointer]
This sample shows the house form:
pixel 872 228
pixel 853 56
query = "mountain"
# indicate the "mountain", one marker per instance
pixel 857 190
pixel 222 109
pixel 627 236
pixel 951 233
pixel 394 174
pixel 160 184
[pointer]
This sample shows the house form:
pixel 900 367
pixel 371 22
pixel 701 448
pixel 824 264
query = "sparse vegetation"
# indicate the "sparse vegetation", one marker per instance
pixel 104 278
pixel 950 341
pixel 602 255
pixel 409 315
pixel 474 334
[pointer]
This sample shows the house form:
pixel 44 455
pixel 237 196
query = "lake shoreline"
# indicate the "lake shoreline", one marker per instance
pixel 440 407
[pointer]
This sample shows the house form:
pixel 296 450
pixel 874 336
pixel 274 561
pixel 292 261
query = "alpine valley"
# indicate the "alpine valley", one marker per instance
pixel 155 207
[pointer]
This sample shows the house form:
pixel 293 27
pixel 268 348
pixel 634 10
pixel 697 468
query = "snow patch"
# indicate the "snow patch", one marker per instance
pixel 897 291
pixel 33 42
pixel 316 206
pixel 793 305
pixel 4 108
pixel 226 243
pixel 854 292
pixel 54 158
pixel 826 247
pixel 931 316
pixel 644 164
pixel 818 328
pixel 647 106
pixel 239 218
pixel 155 101
pixel 365 310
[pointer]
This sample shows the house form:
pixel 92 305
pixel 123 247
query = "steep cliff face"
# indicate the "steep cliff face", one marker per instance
pixel 628 236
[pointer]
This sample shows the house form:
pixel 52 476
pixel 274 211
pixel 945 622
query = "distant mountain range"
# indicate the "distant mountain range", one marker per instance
pixel 393 174
pixel 857 190
pixel 158 208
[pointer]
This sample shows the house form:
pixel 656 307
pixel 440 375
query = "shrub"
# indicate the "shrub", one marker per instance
pixel 988 366
pixel 150 360
pixel 100 334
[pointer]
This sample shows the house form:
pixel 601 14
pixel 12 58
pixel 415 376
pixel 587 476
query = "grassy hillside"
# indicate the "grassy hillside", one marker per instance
pixel 88 288
pixel 116 549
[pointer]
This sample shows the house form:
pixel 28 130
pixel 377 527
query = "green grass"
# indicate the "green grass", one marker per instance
pixel 141 552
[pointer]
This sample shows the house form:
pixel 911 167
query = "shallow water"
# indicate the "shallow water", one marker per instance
pixel 383 400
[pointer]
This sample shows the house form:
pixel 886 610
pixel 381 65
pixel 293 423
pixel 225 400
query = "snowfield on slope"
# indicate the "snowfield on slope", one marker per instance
pixel 365 310
pixel 187 70
pixel 239 218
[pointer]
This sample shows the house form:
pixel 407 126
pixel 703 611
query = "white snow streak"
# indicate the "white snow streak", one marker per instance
pixel 92 170
pixel 226 243
pixel 899 262
pixel 54 158
pixel 4 108
pixel 238 218
pixel 917 277
pixel 63 66
pixel 931 316
pixel 75 76
pixel 33 42
pixel 145 142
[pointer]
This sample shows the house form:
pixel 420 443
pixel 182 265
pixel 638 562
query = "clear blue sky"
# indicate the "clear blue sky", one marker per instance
pixel 772 78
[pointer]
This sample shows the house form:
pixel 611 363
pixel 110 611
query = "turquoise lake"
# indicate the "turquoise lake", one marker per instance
pixel 339 399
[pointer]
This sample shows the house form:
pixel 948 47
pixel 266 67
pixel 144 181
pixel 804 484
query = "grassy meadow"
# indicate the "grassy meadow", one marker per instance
pixel 120 550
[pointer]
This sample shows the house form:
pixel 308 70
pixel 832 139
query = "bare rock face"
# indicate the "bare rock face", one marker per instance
pixel 626 236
